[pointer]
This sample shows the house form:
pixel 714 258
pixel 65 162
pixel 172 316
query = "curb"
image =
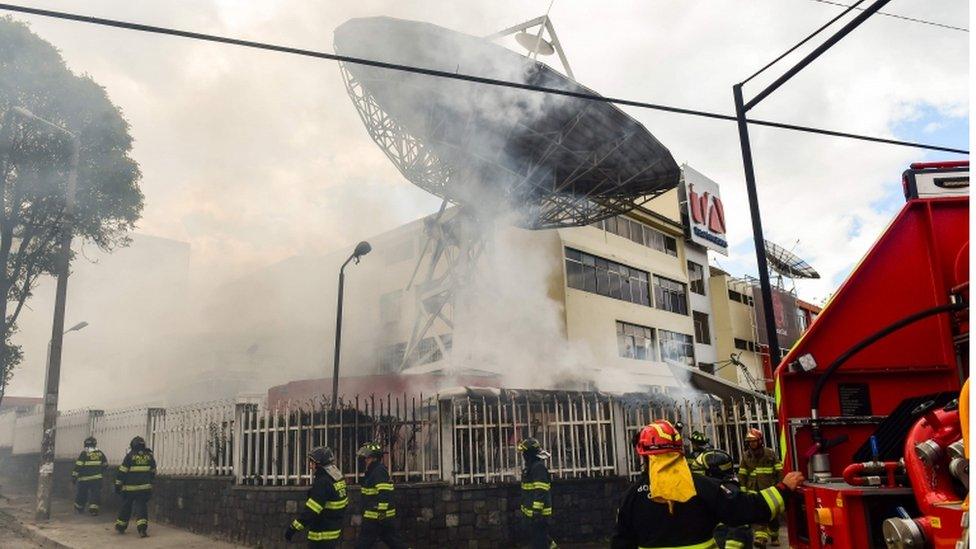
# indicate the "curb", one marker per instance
pixel 30 532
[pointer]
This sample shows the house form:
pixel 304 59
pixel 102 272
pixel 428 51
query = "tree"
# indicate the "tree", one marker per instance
pixel 34 166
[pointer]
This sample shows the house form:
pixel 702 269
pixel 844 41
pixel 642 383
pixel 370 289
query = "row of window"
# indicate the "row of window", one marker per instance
pixel 611 279
pixel 741 298
pixel 644 343
pixel 639 233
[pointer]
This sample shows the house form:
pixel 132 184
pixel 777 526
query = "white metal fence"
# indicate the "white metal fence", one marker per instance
pixel 197 439
pixel 27 432
pixel 468 438
pixel 72 429
pixel 273 443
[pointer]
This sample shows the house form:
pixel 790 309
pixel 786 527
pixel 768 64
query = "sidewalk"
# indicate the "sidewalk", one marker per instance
pixel 69 530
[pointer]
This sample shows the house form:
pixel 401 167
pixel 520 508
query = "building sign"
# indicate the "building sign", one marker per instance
pixel 784 313
pixel 705 224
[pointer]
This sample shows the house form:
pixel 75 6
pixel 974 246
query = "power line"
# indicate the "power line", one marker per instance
pixel 455 76
pixel 804 41
pixel 896 16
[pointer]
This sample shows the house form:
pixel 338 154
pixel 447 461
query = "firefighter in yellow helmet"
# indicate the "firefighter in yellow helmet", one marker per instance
pixel 758 470
pixel 379 510
pixel 668 507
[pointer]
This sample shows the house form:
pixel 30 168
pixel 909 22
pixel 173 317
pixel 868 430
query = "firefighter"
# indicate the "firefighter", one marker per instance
pixel 134 483
pixel 536 500
pixel 699 443
pixel 325 505
pixel 718 465
pixel 758 470
pixel 671 508
pixel 378 509
pixel 87 476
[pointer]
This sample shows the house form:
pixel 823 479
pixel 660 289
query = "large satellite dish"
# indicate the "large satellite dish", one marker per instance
pixel 558 161
pixel 788 264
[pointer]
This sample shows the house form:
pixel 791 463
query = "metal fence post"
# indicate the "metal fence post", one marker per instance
pixel 240 411
pixel 445 411
pixel 150 414
pixel 621 448
pixel 93 416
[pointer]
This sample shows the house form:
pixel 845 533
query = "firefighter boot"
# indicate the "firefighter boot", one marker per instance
pixel 120 526
pixel 143 531
pixel 93 510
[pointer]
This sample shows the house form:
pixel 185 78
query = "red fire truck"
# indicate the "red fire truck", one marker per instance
pixel 873 399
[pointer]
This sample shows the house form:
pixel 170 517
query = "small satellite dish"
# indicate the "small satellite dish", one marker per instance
pixel 535 44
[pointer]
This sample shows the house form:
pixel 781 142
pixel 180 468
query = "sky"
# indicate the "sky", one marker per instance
pixel 252 156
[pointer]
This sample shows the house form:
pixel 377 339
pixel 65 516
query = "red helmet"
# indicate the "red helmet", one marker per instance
pixel 754 434
pixel 659 437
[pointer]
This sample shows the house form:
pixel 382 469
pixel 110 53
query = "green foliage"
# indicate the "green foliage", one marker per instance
pixel 34 163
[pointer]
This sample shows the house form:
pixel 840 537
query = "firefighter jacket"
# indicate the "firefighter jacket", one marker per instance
pixel 137 471
pixel 377 491
pixel 90 465
pixel 536 500
pixel 645 524
pixel 325 506
pixel 758 472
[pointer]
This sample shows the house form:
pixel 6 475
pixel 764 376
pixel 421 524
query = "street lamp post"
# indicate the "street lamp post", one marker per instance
pixel 74 328
pixel 45 473
pixel 362 249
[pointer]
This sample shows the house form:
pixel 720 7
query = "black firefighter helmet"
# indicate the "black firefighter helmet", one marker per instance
pixel 323 455
pixel 531 447
pixel 90 442
pixel 716 464
pixel 137 443
pixel 370 449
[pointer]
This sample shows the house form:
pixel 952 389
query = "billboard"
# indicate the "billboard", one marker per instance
pixel 784 311
pixel 705 216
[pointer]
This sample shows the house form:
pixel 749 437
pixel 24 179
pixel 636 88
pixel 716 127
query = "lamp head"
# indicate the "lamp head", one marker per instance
pixel 362 249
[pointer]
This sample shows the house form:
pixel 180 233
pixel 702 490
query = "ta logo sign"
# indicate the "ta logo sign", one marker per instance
pixel 706 209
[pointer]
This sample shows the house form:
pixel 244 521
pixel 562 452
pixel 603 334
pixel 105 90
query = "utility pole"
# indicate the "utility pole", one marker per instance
pixel 741 108
pixel 45 473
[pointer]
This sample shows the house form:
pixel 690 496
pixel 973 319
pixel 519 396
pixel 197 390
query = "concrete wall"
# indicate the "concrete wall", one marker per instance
pixel 430 514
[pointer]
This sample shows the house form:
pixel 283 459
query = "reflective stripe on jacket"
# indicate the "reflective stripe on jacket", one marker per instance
pixel 756 473
pixel 90 465
pixel 536 500
pixel 325 506
pixel 137 471
pixel 377 491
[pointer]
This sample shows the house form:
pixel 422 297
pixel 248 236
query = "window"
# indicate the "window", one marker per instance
pixel 677 347
pixel 670 295
pixel 702 334
pixel 635 341
pixel 707 367
pixel 741 298
pixel 744 345
pixel 607 278
pixel 639 233
pixel 801 319
pixel 390 307
pixel 696 278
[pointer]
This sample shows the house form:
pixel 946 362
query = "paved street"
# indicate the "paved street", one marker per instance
pixel 70 530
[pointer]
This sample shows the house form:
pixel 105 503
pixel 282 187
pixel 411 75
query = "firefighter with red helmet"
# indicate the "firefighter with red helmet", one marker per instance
pixel 325 503
pixel 668 507
pixel 536 501
pixel 758 470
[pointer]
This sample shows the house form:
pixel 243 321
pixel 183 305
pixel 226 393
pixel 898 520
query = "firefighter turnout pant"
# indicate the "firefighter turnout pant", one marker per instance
pixel 88 492
pixel 374 530
pixel 134 505
pixel 536 534
pixel 766 533
pixel 733 537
